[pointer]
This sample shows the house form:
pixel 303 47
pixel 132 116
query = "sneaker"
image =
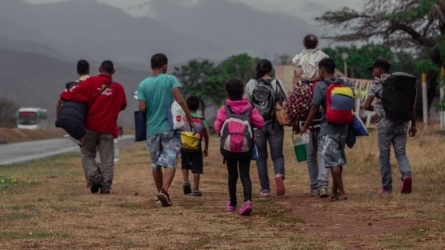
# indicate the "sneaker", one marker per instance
pixel 246 209
pixel 187 188
pixel 406 185
pixel 96 183
pixel 105 192
pixel 323 192
pixel 164 198
pixel 158 201
pixel 264 194
pixel 95 188
pixel 383 191
pixel 229 207
pixel 281 190
pixel 196 192
pixel 314 192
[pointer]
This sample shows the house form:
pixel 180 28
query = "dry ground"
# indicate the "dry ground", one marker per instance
pixel 45 205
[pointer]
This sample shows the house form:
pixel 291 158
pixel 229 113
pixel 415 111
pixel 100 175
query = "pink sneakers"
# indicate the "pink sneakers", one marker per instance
pixel 230 208
pixel 406 185
pixel 246 209
pixel 281 190
pixel 383 191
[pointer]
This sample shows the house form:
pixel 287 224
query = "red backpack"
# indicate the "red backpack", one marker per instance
pixel 339 104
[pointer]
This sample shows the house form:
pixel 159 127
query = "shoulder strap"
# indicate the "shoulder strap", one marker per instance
pixel 247 113
pixel 277 82
pixel 228 110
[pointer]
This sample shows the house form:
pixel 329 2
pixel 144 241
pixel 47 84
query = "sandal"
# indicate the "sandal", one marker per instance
pixel 333 199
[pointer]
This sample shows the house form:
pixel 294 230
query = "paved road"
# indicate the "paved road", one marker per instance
pixel 33 150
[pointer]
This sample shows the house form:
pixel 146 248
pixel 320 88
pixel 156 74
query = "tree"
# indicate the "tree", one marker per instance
pixel 240 66
pixel 205 80
pixel 7 113
pixel 414 25
pixel 202 79
pixel 360 58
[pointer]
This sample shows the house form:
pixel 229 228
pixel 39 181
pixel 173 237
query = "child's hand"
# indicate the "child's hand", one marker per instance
pixel 205 153
pixel 296 129
pixel 412 131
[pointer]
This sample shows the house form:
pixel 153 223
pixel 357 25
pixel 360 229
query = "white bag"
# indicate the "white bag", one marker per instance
pixel 176 116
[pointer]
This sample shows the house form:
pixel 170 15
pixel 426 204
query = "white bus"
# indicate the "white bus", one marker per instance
pixel 32 118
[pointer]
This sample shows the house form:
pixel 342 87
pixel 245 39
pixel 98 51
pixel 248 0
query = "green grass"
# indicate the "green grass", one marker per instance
pixel 12 235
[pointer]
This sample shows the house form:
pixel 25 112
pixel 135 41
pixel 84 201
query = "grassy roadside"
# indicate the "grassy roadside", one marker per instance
pixel 44 204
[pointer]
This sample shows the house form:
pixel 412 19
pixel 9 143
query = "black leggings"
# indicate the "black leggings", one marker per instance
pixel 244 169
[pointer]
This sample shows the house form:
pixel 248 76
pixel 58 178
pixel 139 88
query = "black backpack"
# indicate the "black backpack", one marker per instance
pixel 69 85
pixel 263 99
pixel 399 96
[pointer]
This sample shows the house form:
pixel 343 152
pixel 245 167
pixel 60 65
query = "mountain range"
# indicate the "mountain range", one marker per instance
pixel 40 43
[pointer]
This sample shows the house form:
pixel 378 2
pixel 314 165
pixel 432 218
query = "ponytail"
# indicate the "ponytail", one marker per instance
pixel 263 67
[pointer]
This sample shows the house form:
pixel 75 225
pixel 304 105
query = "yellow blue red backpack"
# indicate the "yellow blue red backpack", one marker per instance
pixel 339 103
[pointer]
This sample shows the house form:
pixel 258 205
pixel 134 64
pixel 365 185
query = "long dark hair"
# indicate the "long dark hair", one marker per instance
pixel 264 67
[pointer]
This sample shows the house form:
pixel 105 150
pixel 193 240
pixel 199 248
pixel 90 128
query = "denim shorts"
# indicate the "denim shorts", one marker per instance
pixel 164 149
pixel 332 150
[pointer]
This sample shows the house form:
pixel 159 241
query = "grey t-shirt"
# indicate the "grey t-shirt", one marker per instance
pixel 319 99
pixel 277 86
pixel 250 86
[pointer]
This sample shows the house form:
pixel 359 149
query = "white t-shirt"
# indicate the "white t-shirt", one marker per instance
pixel 308 61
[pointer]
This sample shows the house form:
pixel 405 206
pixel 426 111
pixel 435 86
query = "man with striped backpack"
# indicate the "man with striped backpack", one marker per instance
pixel 336 98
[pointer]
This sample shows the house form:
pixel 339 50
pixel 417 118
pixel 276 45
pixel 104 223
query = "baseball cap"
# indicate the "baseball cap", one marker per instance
pixel 380 62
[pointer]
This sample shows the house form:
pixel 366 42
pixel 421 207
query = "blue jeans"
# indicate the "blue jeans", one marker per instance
pixel 275 138
pixel 395 135
pixel 318 174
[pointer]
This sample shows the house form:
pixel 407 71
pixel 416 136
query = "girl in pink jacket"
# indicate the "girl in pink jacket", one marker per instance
pixel 234 123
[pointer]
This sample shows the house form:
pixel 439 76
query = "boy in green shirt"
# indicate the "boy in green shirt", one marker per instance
pixel 193 160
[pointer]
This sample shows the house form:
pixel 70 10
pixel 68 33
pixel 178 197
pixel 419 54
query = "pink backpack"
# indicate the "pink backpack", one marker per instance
pixel 236 134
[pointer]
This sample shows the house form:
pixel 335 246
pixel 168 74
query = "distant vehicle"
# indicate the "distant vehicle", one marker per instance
pixel 32 118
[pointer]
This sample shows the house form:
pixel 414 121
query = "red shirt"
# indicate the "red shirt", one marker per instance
pixel 104 110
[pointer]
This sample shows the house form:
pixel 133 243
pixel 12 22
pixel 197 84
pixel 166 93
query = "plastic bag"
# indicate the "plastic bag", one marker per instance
pixel 176 116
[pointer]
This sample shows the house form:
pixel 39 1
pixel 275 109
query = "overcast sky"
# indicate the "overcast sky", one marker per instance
pixel 306 9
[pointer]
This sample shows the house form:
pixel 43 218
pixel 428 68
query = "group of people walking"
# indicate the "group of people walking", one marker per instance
pixel 246 124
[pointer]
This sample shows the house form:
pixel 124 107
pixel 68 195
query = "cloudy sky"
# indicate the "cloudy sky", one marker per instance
pixel 306 9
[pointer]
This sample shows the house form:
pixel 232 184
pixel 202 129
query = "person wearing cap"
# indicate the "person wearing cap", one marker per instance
pixel 105 99
pixel 388 132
